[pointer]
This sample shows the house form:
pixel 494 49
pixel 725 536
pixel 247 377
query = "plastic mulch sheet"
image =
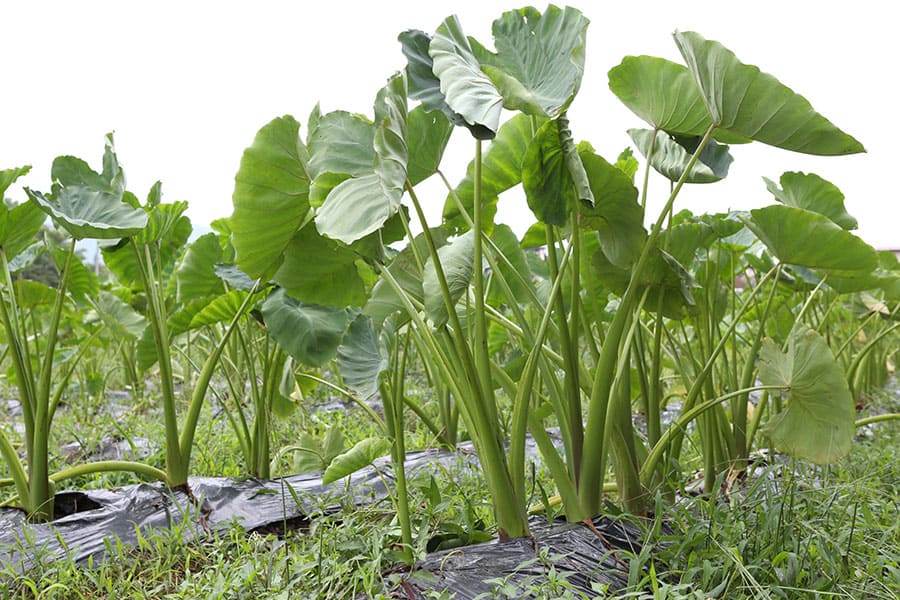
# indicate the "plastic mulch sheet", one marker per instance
pixel 90 517
pixel 561 557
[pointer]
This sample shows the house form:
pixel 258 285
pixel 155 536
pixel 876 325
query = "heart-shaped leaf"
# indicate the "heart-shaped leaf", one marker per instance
pixel 664 94
pixel 549 188
pixel 426 87
pixel 813 193
pixel 817 423
pixel 90 214
pixel 540 59
pixel 362 454
pixel 341 142
pixel 332 279
pixel 801 237
pixel 271 196
pixel 456 260
pixel 121 319
pixel 362 357
pixel 195 275
pixel 466 89
pixel 428 134
pixel 220 309
pixel 361 205
pixel 616 215
pixel 671 156
pixel 310 333
pixel 743 100
pixel 27 218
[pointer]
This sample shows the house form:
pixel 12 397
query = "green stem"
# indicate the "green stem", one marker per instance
pixel 186 441
pixel 739 410
pixel 525 388
pixel 681 423
pixel 393 410
pixel 592 470
pixel 877 419
pixel 571 419
pixel 108 466
pixel 857 360
pixel 157 316
pixel 647 173
pixel 509 510
pixel 16 471
pixel 700 380
pixel 39 483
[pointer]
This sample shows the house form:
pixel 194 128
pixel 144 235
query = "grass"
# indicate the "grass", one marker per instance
pixel 793 530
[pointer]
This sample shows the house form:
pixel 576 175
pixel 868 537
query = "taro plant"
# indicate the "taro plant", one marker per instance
pixel 316 216
pixel 144 264
pixel 87 205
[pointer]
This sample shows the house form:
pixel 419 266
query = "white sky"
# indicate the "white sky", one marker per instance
pixel 186 85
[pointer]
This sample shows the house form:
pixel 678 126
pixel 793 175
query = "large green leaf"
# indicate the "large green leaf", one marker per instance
pixel 271 196
pixel 27 219
pixel 684 239
pixel 320 271
pixel 169 231
pixel 616 214
pixel 361 205
pixel 663 275
pixel 31 294
pixel 466 89
pixel 548 185
pixel 813 193
pixel 801 237
pixel 26 257
pixel 341 142
pixel 663 94
pixel 877 279
pixel 519 276
pixel 234 277
pixel 88 213
pixel 221 309
pixel 539 60
pixel 817 423
pixel 671 156
pixel 424 84
pixel 384 300
pixel 501 169
pixel 359 456
pixel 164 221
pixel 428 135
pixel 195 276
pixel 89 204
pixel 362 357
pixel 743 100
pixel 660 92
pixel 121 319
pixel 9 176
pixel 83 282
pixel 69 171
pixel 355 208
pixel 456 261
pixel 310 333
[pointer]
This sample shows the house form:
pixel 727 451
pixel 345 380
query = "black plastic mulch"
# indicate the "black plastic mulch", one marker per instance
pixel 560 558
pixel 272 506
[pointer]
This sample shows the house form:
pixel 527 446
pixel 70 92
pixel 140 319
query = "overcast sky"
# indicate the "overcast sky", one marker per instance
pixel 186 85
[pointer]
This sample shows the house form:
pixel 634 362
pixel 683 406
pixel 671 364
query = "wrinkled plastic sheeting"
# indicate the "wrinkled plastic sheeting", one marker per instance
pixel 269 506
pixel 583 561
